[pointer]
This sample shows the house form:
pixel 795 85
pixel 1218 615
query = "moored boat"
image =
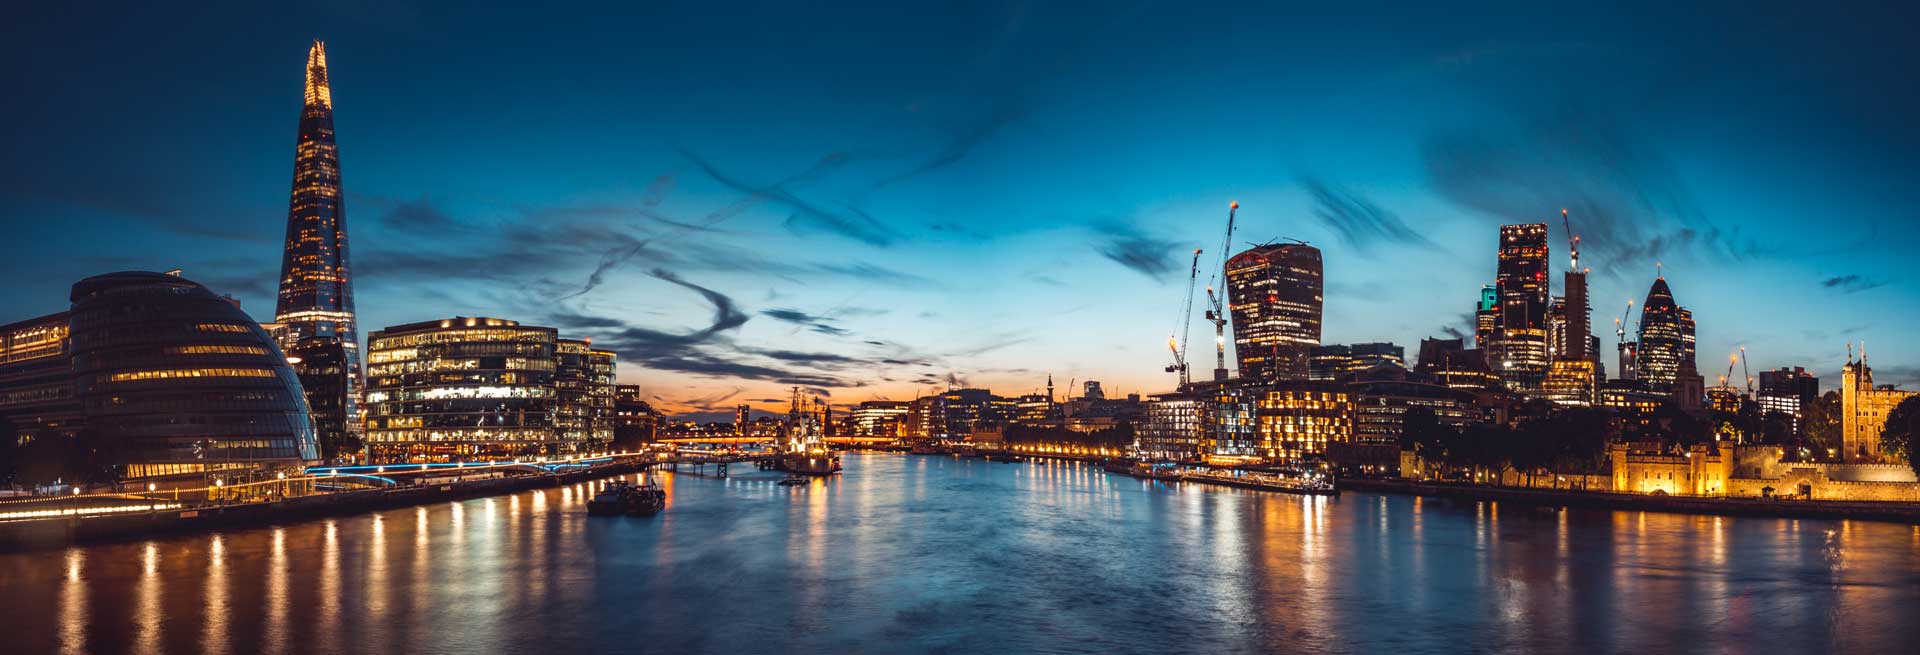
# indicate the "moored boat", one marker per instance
pixel 621 497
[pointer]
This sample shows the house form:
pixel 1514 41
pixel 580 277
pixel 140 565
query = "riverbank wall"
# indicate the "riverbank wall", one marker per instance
pixel 58 532
pixel 1758 507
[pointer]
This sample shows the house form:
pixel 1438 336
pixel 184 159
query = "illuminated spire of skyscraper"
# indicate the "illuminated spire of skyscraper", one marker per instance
pixel 316 287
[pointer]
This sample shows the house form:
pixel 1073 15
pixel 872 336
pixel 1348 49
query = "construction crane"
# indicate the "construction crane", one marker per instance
pixel 1744 371
pixel 1216 313
pixel 1179 345
pixel 1573 242
pixel 1620 341
pixel 1731 359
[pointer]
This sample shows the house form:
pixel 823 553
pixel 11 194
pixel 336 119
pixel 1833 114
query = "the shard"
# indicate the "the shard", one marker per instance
pixel 316 283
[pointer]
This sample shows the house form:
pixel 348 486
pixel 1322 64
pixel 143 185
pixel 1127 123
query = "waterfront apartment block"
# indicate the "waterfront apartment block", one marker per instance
pixel 1243 422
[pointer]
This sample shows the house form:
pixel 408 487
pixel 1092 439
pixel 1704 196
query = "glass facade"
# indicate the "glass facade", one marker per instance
pixel 1298 420
pixel 583 382
pixel 316 285
pixel 322 365
pixel 36 378
pixel 182 379
pixel 1518 349
pixel 880 418
pixel 1174 427
pixel 484 386
pixel 1666 339
pixel 1275 295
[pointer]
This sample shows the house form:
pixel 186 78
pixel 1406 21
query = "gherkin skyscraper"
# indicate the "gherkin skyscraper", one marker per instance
pixel 316 284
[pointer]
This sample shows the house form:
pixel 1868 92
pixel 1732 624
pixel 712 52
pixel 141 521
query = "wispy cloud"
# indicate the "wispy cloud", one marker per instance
pixel 1851 283
pixel 1359 222
pixel 803 215
pixel 1627 201
pixel 1130 247
pixel 418 216
pixel 818 324
pixel 963 142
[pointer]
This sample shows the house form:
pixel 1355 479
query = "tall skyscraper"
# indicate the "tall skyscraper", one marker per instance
pixel 1573 378
pixel 1666 345
pixel 1486 316
pixel 316 287
pixel 1275 293
pixel 1520 343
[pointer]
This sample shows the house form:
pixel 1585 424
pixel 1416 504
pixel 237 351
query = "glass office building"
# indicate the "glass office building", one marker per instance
pixel 182 380
pixel 1275 294
pixel 484 387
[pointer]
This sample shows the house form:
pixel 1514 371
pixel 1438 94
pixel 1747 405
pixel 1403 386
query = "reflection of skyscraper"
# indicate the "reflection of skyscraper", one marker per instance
pixel 316 289
pixel 1275 296
pixel 1520 342
pixel 1666 338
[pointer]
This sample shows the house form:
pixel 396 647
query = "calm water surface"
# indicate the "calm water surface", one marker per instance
pixel 916 553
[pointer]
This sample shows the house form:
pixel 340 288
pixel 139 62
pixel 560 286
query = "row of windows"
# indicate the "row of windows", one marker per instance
pixel 438 365
pixel 496 334
pixel 461 406
pixel 455 379
pixel 216 350
pixel 468 434
pixel 233 328
pixel 177 373
pixel 158 470
pixel 437 393
pixel 482 349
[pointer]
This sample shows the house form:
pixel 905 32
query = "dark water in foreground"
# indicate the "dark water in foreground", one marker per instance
pixel 914 553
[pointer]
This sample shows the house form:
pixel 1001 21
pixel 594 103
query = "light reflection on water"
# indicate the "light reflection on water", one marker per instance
pixel 916 553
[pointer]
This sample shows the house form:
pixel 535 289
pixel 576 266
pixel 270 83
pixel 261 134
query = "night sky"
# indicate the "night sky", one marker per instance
pixel 884 200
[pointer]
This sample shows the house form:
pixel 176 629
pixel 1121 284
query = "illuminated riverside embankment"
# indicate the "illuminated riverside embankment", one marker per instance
pixel 46 522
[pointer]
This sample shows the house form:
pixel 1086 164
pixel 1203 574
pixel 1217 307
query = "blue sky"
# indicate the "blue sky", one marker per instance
pixel 880 200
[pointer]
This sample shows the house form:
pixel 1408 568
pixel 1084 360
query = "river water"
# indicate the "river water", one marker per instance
pixel 908 553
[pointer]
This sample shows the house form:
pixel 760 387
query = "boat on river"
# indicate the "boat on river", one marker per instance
pixel 804 451
pixel 622 497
